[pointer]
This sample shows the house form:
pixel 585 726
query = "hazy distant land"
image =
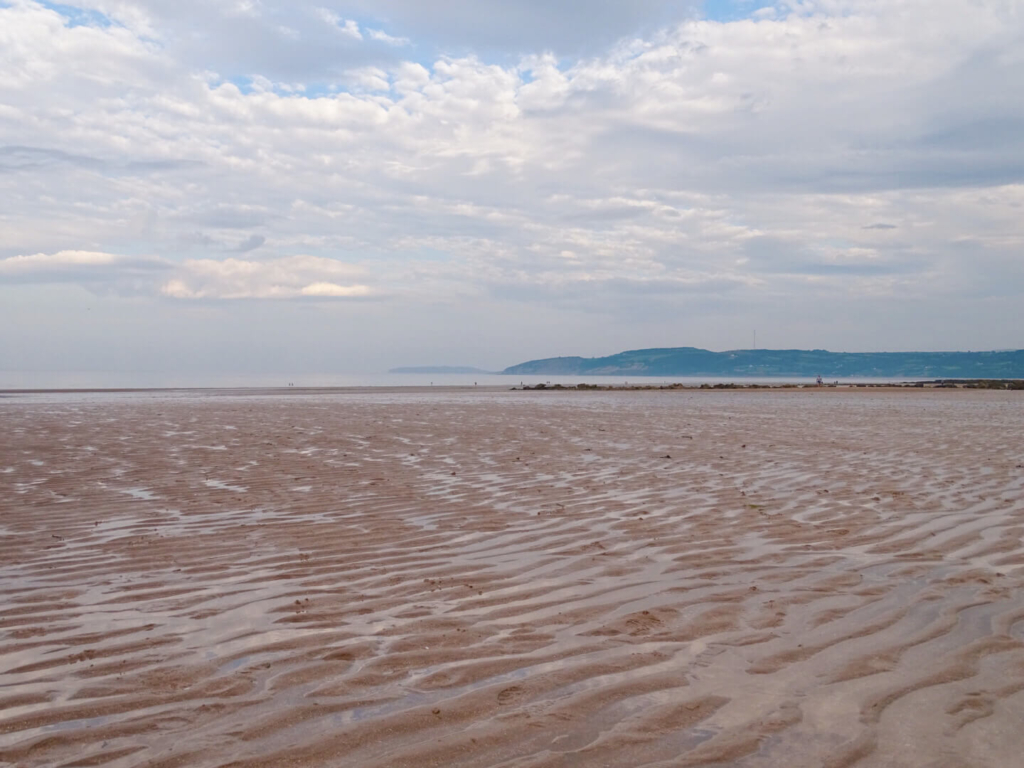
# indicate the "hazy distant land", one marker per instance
pixel 690 361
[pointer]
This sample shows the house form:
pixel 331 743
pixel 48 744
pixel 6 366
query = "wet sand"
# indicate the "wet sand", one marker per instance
pixel 771 578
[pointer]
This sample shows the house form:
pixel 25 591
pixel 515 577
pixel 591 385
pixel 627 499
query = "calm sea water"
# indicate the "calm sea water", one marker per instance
pixel 143 380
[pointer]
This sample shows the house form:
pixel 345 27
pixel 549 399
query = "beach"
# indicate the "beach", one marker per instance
pixel 797 578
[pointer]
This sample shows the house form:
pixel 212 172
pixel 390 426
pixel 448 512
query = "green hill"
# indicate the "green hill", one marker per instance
pixel 690 361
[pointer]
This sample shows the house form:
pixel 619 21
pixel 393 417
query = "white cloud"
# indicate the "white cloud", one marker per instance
pixel 231 278
pixel 368 79
pixel 351 29
pixel 333 290
pixel 328 16
pixel 383 37
pixel 339 24
pixel 286 278
pixel 86 267
pixel 41 262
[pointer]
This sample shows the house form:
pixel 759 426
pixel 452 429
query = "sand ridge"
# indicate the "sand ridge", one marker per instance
pixel 512 578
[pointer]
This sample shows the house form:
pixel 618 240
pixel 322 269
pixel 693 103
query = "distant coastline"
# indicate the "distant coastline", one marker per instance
pixel 766 363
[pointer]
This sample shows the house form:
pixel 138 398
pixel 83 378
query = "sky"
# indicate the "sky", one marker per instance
pixel 353 185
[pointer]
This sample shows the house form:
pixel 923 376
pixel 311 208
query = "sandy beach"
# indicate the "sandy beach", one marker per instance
pixel 521 579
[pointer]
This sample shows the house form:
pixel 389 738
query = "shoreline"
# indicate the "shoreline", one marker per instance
pixel 968 384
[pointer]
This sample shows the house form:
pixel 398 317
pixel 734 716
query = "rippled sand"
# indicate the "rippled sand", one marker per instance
pixel 816 578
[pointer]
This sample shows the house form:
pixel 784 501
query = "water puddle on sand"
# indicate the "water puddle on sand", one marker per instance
pixel 1017 630
pixel 117 527
pixel 140 493
pixel 69 725
pixel 424 522
pixel 25 487
pixel 222 486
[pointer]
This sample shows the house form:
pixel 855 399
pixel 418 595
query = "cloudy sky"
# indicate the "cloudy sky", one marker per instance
pixel 350 185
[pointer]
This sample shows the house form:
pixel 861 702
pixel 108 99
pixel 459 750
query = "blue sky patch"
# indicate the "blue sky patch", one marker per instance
pixel 731 10
pixel 80 17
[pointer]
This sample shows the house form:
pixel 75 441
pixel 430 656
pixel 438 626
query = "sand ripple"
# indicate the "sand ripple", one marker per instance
pixel 513 579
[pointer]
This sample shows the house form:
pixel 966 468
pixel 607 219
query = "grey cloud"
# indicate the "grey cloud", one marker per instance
pixel 895 168
pixel 703 285
pixel 880 225
pixel 991 133
pixel 55 269
pixel 22 158
pixel 824 269
pixel 567 27
pixel 287 42
pixel 194 240
pixel 772 255
pixel 229 216
pixel 606 215
pixel 27 159
pixel 292 42
pixel 251 243
pixel 142 167
pixel 600 294
pixel 629 301
pixel 725 162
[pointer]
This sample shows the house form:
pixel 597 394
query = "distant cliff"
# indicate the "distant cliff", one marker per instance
pixel 798 363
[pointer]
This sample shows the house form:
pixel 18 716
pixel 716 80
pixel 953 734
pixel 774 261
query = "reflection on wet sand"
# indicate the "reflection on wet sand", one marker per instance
pixel 509 578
